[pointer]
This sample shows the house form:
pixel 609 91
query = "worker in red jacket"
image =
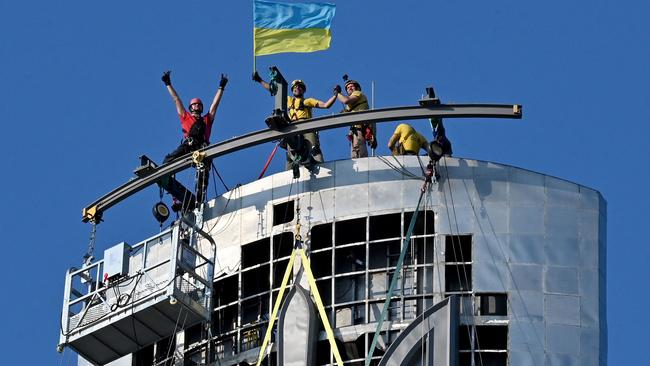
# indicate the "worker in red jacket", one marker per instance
pixel 196 128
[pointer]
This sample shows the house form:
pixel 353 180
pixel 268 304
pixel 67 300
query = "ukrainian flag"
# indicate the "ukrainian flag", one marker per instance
pixel 291 27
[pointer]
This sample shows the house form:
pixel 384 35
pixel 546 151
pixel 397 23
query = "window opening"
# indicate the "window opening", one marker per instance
pixel 283 212
pixel 458 248
pixel 385 226
pixel 382 255
pixel 254 253
pixel 255 281
pixel 492 304
pixel 321 236
pixel 424 220
pixel 351 231
pixel 492 337
pixel 283 244
pixel 225 291
pixel 321 263
pixel 350 259
pixel 458 277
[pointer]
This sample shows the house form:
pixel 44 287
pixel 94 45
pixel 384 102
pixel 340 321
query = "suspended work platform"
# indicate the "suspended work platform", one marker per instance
pixel 136 295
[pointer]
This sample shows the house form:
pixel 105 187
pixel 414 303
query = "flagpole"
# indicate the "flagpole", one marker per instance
pixel 254 58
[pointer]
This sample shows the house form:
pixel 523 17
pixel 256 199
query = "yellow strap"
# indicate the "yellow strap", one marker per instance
pixel 321 308
pixel 276 307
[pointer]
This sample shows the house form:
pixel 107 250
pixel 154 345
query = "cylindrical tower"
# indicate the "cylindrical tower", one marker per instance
pixel 523 252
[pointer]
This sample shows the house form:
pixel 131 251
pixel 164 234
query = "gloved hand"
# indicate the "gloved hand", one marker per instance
pixel 373 143
pixel 166 79
pixel 337 89
pixel 256 77
pixel 223 81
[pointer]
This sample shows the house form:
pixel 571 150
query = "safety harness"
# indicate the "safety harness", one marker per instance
pixel 293 115
pixel 196 134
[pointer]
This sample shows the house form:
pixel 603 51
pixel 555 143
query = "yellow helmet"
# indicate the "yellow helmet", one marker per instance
pixel 298 82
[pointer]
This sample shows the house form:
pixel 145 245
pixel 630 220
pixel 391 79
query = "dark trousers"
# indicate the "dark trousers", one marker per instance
pixel 203 177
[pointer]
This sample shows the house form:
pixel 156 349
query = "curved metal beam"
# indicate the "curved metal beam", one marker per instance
pixel 97 208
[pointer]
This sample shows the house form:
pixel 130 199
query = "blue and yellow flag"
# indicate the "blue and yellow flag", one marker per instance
pixel 291 27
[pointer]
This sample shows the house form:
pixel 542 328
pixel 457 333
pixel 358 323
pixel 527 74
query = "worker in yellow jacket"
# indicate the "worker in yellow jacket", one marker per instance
pixel 362 133
pixel 299 108
pixel 407 141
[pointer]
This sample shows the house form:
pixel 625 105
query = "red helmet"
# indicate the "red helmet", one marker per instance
pixel 196 101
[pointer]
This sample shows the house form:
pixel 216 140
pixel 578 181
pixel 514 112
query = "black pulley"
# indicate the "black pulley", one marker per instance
pixel 160 212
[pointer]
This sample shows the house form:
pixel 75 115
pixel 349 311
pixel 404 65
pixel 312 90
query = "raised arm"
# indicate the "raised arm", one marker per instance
pixel 218 95
pixel 258 79
pixel 346 99
pixel 326 105
pixel 177 100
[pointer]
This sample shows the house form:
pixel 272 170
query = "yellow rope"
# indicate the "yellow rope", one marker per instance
pixel 321 308
pixel 276 307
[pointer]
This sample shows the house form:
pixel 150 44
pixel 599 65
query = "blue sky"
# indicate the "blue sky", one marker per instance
pixel 81 99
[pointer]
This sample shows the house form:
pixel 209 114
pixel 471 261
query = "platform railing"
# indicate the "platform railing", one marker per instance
pixel 165 266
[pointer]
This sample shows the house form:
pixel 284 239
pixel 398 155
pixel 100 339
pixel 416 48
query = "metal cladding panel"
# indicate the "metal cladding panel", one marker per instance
pixel 526 336
pixel 322 206
pixel 589 341
pixel 526 249
pixel 562 309
pixel 490 277
pixel 528 305
pixel 526 277
pixel 561 193
pixel 322 179
pixel 561 221
pixel 563 339
pixel 525 358
pixel 526 187
pixel 562 251
pixel 562 360
pixel 486 248
pixel 492 218
pixel 527 219
pixel 539 239
pixel 561 280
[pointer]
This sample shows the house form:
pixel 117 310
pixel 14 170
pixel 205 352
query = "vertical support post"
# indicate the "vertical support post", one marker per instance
pixel 280 101
pixel 65 313
pixel 279 88
pixel 173 261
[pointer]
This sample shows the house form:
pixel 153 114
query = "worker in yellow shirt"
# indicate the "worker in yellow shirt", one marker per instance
pixel 407 141
pixel 300 108
pixel 362 133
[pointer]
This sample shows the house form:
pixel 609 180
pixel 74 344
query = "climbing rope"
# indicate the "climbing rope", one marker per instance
pixel 219 175
pixel 268 160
